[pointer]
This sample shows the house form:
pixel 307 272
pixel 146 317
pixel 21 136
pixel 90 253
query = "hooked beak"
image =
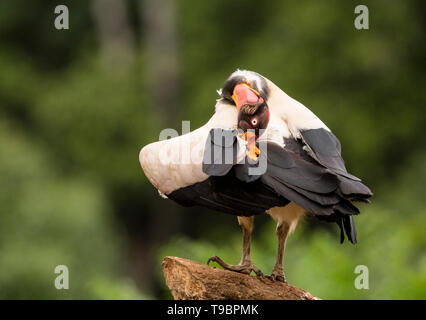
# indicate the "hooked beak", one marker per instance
pixel 245 95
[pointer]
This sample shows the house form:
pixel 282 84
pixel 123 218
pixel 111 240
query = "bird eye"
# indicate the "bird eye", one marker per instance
pixel 254 122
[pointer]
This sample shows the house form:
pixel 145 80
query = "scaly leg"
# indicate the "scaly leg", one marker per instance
pixel 282 233
pixel 245 265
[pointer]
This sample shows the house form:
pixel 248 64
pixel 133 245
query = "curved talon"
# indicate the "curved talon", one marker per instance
pixel 277 277
pixel 212 258
pixel 245 268
pixel 257 271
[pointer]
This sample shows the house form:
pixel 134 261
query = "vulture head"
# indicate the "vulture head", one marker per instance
pixel 248 91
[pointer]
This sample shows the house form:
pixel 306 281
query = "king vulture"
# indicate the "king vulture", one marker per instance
pixel 295 162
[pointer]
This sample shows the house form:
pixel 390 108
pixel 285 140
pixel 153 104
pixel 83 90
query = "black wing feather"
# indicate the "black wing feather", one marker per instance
pixel 309 172
pixel 323 146
pixel 220 152
pixel 230 195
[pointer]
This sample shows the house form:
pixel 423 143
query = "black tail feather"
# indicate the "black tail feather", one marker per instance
pixel 349 225
pixel 354 189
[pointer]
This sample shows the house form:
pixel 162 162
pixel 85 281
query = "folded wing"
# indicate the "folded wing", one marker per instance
pixel 295 173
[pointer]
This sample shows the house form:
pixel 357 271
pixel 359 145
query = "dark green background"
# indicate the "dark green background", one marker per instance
pixel 77 105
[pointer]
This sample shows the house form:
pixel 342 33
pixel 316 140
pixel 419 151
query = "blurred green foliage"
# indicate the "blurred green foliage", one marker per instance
pixel 71 127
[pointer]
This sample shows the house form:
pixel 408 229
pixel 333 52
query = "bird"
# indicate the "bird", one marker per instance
pixel 260 152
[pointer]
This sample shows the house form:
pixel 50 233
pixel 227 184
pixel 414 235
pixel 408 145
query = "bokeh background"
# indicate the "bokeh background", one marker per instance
pixel 77 105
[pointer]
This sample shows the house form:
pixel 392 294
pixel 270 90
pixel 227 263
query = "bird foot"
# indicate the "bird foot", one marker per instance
pixel 277 276
pixel 246 267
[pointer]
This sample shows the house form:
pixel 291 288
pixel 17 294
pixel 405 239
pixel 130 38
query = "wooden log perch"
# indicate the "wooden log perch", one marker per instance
pixel 190 280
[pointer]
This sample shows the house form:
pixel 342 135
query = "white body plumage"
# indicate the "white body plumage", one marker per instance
pixel 176 163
